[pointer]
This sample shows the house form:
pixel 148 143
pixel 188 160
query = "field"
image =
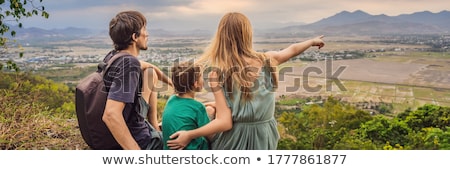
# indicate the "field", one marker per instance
pixel 405 81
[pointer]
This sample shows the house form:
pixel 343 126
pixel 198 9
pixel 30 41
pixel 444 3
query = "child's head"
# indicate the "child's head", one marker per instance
pixel 187 77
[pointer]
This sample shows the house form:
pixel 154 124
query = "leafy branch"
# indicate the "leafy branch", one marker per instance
pixel 14 11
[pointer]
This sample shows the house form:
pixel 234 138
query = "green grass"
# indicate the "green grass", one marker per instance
pixel 409 56
pixel 423 93
pixel 291 102
pixel 67 74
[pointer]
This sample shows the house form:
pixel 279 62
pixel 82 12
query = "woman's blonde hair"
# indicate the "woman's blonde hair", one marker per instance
pixel 232 42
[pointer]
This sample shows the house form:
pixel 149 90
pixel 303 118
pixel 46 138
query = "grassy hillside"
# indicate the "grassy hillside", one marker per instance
pixel 37 113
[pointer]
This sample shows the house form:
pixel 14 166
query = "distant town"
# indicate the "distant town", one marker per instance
pixel 163 52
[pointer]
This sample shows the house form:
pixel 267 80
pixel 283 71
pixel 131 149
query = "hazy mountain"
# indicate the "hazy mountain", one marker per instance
pixel 343 17
pixel 39 34
pixel 441 19
pixel 362 23
pixel 342 23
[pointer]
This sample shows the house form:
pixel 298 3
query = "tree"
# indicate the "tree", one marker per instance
pixel 13 11
pixel 429 116
pixel 381 130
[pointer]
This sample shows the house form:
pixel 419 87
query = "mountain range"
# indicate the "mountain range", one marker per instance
pixel 343 23
pixel 362 23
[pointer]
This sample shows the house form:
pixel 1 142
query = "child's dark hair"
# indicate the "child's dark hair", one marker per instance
pixel 184 75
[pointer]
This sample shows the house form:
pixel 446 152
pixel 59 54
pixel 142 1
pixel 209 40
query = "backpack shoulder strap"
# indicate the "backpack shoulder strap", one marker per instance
pixel 108 64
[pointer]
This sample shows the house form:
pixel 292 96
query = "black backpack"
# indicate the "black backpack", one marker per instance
pixel 90 100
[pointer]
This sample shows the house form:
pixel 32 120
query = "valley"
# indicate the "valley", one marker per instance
pixel 364 71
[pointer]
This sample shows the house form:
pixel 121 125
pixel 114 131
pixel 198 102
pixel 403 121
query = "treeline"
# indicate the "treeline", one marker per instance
pixel 334 125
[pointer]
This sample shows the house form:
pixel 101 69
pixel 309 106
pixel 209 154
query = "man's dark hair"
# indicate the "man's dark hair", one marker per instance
pixel 122 27
pixel 184 75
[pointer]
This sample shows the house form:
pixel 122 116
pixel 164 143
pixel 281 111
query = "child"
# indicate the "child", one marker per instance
pixel 182 111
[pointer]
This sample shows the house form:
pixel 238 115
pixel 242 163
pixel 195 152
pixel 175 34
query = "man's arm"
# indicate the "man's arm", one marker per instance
pixel 115 122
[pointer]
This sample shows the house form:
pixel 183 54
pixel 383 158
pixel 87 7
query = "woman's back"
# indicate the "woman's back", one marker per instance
pixel 254 125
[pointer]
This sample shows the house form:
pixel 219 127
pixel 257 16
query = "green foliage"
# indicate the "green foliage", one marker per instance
pixel 37 89
pixel 381 130
pixel 319 127
pixel 160 107
pixel 431 138
pixel 436 138
pixel 10 65
pixel 36 113
pixel 385 108
pixel 14 11
pixel 335 125
pixel 291 102
pixel 428 116
pixel 69 75
pixel 388 146
pixel 351 141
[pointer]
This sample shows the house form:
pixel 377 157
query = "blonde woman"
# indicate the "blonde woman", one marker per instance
pixel 243 85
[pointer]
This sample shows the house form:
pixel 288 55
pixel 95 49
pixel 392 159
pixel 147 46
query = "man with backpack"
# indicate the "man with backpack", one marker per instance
pixel 131 87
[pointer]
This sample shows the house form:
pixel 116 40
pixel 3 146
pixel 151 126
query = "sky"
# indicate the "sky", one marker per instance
pixel 205 14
